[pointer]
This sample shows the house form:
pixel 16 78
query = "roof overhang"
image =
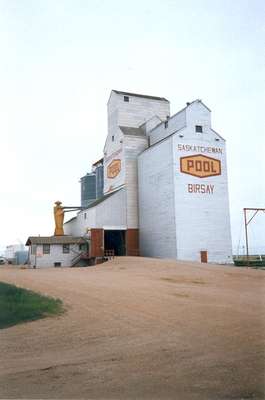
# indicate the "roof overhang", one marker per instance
pixel 65 239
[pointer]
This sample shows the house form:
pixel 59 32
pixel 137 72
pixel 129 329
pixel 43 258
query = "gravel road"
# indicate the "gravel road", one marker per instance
pixel 139 328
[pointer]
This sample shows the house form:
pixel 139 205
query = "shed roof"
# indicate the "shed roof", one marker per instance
pixel 96 202
pixel 127 130
pixel 55 240
pixel 69 220
pixel 101 199
pixel 100 161
pixel 140 95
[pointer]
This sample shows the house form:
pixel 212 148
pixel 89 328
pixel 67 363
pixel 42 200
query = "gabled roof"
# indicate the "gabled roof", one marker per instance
pixel 197 101
pixel 140 95
pixel 65 239
pixel 127 130
pixel 218 134
pixel 183 109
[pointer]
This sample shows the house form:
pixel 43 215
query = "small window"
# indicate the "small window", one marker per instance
pixel 66 248
pixel 57 264
pixel 166 124
pixel 112 138
pixel 82 247
pixel 198 128
pixel 46 249
pixel 84 215
pixel 126 98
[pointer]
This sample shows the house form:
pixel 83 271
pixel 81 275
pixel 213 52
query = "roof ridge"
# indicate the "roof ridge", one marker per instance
pixel 140 95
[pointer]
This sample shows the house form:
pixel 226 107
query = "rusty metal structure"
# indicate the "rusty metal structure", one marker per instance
pixel 247 222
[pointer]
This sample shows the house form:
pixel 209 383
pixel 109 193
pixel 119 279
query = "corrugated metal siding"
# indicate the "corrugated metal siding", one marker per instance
pixel 88 189
pixel 99 181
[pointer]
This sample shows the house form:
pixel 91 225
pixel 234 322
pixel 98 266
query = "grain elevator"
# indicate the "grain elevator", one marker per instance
pixel 165 191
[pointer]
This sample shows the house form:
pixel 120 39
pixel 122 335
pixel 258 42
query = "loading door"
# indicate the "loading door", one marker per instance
pixel 132 242
pixel 96 243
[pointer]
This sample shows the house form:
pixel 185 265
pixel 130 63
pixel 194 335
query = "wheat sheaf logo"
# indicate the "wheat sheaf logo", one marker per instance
pixel 200 166
pixel 114 168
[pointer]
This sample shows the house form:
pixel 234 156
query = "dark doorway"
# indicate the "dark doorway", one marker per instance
pixel 115 240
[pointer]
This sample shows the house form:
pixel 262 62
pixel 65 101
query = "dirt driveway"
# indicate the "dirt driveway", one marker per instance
pixel 139 328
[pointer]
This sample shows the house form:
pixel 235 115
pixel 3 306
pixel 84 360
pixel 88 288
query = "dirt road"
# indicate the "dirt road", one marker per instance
pixel 139 328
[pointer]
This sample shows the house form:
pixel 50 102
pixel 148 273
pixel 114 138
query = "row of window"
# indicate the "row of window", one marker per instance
pixel 46 248
pixel 198 128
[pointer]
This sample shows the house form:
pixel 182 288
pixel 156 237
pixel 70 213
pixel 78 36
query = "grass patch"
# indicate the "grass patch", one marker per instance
pixel 19 305
pixel 254 261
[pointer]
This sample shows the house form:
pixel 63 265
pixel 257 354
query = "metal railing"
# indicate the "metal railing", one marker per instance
pixel 79 256
pixel 109 254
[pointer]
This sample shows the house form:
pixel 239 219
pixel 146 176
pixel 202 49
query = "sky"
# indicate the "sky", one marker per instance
pixel 61 58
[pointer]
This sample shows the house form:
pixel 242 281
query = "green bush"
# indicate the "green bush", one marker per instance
pixel 19 305
pixel 252 263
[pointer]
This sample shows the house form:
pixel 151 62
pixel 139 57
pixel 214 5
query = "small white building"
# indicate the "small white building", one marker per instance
pixel 55 251
pixel 165 184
